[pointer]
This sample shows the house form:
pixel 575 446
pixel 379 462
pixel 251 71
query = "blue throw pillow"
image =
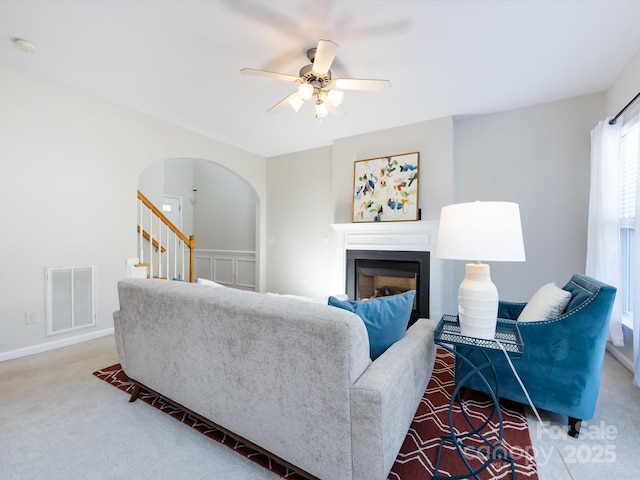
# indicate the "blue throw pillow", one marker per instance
pixel 386 318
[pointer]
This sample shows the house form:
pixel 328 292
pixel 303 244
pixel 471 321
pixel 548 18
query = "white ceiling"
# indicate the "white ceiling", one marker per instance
pixel 180 60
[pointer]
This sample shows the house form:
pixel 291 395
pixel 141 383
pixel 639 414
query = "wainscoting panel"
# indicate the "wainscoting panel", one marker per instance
pixel 223 270
pixel 246 273
pixel 203 266
pixel 231 268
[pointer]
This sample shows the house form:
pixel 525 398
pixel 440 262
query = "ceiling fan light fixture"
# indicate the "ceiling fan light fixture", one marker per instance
pixel 296 102
pixel 316 80
pixel 321 109
pixel 305 91
pixel 335 97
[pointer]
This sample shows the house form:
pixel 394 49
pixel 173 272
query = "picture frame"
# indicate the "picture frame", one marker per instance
pixel 385 189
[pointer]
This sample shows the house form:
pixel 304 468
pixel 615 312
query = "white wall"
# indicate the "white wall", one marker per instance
pixel 300 252
pixel 538 157
pixel 625 87
pixel 151 182
pixel 225 209
pixel 69 168
pixel 66 155
pixel 221 214
pixel 178 182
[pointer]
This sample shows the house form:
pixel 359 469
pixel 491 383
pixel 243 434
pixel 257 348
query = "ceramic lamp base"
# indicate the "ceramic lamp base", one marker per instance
pixel 478 302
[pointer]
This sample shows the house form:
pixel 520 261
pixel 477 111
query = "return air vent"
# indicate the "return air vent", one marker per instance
pixel 70 299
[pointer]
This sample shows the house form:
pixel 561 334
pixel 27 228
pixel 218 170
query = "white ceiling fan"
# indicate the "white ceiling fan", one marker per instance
pixel 316 81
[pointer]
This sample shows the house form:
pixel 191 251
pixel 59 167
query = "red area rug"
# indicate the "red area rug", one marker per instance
pixel 418 454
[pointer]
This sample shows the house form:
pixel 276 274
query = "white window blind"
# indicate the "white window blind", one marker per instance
pixel 629 170
pixel 629 148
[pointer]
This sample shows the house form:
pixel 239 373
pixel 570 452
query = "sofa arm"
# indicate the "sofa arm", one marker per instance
pixel 385 398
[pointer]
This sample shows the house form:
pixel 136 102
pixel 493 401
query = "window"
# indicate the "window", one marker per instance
pixel 629 147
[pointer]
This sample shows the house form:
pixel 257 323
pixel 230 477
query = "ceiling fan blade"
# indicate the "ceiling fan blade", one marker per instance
pixel 325 53
pixel 361 84
pixel 336 111
pixel 268 74
pixel 282 104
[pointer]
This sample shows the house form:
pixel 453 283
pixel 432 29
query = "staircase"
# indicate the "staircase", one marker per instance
pixel 163 249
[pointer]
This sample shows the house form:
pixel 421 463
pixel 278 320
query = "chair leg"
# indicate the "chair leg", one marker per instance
pixel 574 427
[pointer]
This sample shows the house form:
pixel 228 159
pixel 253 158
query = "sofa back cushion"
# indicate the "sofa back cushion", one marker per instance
pixel 581 291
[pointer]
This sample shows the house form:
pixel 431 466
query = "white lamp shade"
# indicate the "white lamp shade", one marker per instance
pixel 335 97
pixel 321 110
pixel 482 231
pixel 296 102
pixel 305 90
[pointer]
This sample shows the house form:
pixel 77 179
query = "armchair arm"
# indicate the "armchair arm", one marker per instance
pixel 510 310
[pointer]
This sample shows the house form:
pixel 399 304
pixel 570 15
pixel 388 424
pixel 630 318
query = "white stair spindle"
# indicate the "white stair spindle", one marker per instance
pixel 140 235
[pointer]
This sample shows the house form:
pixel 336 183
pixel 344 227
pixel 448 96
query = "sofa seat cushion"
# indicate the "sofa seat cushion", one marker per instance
pixel 386 318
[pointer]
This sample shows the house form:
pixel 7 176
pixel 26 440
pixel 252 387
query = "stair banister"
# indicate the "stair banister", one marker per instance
pixel 190 241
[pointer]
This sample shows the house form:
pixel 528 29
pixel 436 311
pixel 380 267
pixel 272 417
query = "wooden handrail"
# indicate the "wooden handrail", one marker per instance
pixel 154 242
pixel 190 241
pixel 164 219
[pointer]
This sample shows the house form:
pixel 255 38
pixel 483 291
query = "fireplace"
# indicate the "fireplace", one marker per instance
pixel 390 243
pixel 378 273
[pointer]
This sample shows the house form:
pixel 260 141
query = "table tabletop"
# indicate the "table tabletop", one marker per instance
pixel 507 335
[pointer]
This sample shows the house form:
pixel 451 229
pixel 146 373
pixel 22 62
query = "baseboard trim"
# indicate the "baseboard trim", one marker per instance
pixel 45 347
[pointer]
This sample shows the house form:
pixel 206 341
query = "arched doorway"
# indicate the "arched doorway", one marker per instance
pixel 218 208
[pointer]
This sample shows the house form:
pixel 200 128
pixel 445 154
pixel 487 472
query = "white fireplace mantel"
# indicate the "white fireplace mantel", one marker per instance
pixel 419 236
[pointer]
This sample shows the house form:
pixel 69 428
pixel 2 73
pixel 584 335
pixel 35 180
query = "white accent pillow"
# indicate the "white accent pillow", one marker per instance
pixel 548 302
pixel 210 283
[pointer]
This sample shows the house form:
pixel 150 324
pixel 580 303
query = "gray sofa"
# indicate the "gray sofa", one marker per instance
pixel 289 376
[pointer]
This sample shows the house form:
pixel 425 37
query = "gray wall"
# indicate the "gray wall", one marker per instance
pixel 434 141
pixel 538 157
pixel 308 191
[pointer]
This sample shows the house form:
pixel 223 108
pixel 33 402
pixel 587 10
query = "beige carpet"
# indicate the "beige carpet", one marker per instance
pixel 58 421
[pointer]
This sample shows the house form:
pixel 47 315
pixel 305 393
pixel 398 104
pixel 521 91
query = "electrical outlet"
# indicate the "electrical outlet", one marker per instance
pixel 30 318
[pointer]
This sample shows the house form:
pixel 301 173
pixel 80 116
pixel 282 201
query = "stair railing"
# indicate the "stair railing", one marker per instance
pixel 163 243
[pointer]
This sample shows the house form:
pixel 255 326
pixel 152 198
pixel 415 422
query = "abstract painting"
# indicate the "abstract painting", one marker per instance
pixel 385 189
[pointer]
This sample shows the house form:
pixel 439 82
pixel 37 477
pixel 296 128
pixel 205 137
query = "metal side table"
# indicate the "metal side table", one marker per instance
pixel 447 335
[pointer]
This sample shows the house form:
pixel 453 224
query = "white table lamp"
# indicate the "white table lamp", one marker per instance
pixel 488 231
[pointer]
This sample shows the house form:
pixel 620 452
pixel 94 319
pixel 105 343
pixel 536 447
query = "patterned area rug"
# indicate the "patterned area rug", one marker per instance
pixel 418 454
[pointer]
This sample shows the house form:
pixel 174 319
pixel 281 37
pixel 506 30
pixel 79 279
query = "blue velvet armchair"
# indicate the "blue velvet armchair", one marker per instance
pixel 563 356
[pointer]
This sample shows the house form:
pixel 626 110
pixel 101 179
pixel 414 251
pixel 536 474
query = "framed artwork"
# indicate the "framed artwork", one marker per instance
pixel 385 189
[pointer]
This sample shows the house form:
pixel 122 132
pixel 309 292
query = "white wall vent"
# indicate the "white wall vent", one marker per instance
pixel 70 299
